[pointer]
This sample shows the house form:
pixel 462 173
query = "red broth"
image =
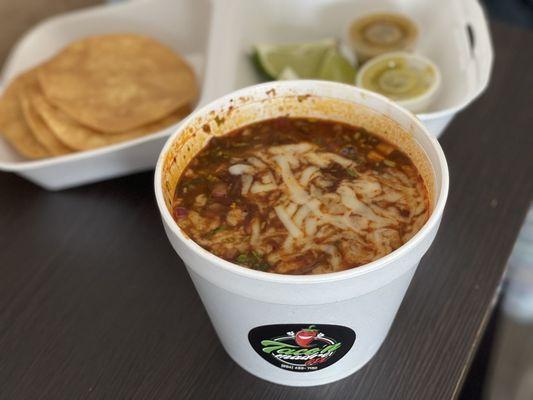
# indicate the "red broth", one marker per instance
pixel 300 196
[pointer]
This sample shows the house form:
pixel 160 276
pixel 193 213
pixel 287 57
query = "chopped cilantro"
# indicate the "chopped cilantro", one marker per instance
pixel 263 266
pixel 242 258
pixel 253 260
pixel 215 231
pixel 351 172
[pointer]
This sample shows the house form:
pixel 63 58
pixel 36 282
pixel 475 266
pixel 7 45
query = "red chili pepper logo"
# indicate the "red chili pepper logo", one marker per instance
pixel 305 337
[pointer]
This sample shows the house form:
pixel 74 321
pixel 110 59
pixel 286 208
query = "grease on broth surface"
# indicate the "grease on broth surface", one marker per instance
pixel 300 196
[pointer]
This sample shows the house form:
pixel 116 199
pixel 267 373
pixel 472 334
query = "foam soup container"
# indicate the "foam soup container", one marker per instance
pixel 302 330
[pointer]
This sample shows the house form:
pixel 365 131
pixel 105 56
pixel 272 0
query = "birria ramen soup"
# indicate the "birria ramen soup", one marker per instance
pixel 295 195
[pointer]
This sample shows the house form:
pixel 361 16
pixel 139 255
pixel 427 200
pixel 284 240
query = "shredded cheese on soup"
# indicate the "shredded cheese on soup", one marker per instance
pixel 300 196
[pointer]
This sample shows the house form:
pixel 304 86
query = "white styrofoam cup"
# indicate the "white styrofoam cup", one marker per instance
pixel 303 330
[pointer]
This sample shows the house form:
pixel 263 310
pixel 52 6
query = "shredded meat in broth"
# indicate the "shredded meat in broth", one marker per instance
pixel 300 196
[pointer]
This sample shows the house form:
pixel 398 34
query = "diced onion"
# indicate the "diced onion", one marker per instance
pixel 239 169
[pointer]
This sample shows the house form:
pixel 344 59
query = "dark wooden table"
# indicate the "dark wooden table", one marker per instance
pixel 95 304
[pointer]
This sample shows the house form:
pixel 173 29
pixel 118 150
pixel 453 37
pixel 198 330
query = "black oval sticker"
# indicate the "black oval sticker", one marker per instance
pixel 301 347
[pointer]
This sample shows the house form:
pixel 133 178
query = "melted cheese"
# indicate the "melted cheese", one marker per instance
pixel 357 219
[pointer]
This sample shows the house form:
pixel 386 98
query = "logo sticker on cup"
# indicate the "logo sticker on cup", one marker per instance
pixel 301 347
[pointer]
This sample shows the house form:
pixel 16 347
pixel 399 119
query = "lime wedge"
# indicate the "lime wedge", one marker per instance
pixel 305 61
pixel 288 74
pixel 335 67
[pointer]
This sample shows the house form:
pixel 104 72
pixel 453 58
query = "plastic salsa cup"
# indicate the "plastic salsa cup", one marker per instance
pixel 302 330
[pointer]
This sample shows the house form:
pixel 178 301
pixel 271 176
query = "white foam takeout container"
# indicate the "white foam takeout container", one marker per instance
pixel 248 306
pixel 224 31
pixel 182 25
pixel 455 37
